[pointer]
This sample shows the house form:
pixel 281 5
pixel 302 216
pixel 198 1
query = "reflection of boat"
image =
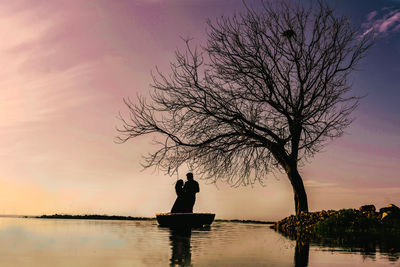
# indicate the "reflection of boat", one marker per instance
pixel 185 219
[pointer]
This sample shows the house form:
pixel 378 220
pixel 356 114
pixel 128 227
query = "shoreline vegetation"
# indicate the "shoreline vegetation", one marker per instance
pixel 365 220
pixel 130 218
pixel 364 229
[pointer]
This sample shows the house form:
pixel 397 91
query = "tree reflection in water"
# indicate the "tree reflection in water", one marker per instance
pixel 301 253
pixel 368 245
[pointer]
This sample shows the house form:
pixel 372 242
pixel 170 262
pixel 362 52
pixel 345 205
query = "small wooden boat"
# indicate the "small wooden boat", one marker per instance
pixel 185 219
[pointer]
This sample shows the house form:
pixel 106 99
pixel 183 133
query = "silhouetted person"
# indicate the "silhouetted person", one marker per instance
pixel 179 205
pixel 190 188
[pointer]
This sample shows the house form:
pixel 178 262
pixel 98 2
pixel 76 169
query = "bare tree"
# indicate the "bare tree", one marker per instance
pixel 266 92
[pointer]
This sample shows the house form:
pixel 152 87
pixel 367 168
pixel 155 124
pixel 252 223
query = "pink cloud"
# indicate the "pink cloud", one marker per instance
pixel 371 15
pixel 385 22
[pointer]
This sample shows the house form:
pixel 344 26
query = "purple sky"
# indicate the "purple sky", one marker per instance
pixel 68 64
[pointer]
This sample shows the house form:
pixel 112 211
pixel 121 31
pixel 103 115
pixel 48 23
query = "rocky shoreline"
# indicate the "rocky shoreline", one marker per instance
pixel 365 220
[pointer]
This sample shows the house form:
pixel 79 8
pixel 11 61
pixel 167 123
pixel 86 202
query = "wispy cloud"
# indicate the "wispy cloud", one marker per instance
pixel 318 184
pixel 371 15
pixel 382 22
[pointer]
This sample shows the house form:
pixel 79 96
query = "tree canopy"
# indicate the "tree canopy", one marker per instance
pixel 268 90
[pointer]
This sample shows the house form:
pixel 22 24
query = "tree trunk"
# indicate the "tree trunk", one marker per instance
pixel 300 196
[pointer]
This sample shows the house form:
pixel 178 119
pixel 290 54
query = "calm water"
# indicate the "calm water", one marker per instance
pixel 50 242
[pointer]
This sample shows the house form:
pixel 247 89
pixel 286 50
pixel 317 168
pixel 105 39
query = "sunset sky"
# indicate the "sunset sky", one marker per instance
pixel 67 65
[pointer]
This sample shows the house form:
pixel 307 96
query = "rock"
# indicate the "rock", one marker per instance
pixel 390 212
pixel 394 208
pixel 368 208
pixel 302 223
pixel 390 209
pixel 390 217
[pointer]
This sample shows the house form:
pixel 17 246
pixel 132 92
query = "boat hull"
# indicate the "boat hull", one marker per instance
pixel 185 219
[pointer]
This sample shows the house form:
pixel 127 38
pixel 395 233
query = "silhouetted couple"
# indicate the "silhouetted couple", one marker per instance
pixel 186 195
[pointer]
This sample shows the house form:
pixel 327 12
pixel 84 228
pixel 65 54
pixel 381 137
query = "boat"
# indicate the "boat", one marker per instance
pixel 185 219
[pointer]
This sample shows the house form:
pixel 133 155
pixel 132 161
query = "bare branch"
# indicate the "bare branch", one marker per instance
pixel 268 90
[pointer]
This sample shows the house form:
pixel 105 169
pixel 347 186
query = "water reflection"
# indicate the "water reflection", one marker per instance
pixel 45 243
pixel 367 245
pixel 301 253
pixel 180 245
